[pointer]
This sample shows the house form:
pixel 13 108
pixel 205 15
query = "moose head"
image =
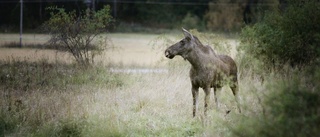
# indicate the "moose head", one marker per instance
pixel 183 47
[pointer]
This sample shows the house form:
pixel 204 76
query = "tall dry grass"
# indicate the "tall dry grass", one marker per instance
pixel 96 102
pixel 145 105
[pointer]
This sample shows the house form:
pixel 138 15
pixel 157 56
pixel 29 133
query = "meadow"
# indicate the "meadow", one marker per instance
pixel 44 94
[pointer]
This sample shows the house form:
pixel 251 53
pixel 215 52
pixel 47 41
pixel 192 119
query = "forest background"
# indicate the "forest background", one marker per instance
pixel 145 15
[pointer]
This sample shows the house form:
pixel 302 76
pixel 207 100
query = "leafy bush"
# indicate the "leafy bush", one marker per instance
pixel 290 36
pixel 76 33
pixel 291 109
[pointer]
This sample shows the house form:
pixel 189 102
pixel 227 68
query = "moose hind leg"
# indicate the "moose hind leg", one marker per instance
pixel 235 91
pixel 195 94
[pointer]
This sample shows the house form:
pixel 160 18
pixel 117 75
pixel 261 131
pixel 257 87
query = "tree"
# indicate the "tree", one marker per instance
pixel 76 34
pixel 225 15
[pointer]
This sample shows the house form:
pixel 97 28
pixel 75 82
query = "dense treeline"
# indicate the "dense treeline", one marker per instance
pixel 167 14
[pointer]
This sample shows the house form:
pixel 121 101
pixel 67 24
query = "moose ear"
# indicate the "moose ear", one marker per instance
pixel 187 34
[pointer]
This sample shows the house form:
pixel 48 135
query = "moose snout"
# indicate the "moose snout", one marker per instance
pixel 168 54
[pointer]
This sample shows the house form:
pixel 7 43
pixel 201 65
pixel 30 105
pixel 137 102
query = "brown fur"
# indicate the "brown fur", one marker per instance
pixel 208 70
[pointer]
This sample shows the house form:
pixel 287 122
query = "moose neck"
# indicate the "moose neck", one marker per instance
pixel 199 57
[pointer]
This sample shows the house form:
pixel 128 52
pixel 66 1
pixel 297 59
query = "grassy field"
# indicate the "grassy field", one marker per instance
pixel 45 95
pixel 130 49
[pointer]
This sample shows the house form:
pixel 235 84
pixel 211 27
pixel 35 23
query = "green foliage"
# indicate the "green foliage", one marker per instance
pixel 291 99
pixel 291 109
pixel 76 33
pixel 291 36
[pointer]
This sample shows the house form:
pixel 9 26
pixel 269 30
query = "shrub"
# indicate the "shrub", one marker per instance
pixel 290 36
pixel 291 109
pixel 76 33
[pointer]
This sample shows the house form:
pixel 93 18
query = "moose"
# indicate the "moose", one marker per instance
pixel 208 69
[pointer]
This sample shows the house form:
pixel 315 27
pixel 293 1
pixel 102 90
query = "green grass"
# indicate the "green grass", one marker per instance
pixel 40 95
pixel 23 75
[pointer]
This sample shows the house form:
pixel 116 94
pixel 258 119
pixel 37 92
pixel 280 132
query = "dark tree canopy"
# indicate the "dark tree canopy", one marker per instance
pixel 166 14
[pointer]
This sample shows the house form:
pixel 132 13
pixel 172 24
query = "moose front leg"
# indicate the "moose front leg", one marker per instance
pixel 206 100
pixel 195 94
pixel 215 92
